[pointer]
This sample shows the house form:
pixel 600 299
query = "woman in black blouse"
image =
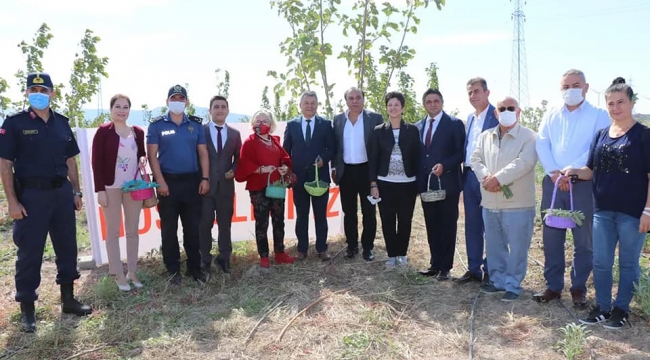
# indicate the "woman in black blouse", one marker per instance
pixel 619 164
pixel 393 156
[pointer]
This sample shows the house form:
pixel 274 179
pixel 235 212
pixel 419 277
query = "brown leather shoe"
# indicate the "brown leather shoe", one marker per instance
pixel 546 296
pixel 324 256
pixel 301 256
pixel 579 299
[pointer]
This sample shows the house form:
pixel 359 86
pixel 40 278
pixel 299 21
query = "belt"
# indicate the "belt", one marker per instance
pixel 186 176
pixel 41 183
pixel 359 164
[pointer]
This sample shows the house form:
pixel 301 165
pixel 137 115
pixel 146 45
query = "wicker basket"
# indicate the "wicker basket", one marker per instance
pixel 316 187
pixel 433 195
pixel 275 192
pixel 560 222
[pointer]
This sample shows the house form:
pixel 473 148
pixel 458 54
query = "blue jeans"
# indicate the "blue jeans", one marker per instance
pixel 508 234
pixel 610 228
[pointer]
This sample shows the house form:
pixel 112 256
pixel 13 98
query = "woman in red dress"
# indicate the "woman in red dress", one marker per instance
pixel 261 155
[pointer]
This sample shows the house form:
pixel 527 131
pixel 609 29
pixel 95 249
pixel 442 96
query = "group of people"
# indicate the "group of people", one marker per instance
pixel 595 162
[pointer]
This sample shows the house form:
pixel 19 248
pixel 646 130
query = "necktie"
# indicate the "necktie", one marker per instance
pixel 219 140
pixel 308 132
pixel 427 141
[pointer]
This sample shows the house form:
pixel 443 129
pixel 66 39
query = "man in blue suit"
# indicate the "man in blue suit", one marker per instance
pixel 443 138
pixel 309 139
pixel 482 119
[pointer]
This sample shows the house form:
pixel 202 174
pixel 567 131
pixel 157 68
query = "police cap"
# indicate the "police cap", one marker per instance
pixel 39 79
pixel 177 89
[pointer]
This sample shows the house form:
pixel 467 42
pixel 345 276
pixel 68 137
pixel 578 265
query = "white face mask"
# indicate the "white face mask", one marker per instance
pixel 507 118
pixel 177 107
pixel 572 97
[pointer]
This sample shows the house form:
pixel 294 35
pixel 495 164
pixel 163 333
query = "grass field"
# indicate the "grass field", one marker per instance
pixel 344 309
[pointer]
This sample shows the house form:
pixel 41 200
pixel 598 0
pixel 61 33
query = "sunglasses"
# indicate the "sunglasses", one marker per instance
pixel 509 108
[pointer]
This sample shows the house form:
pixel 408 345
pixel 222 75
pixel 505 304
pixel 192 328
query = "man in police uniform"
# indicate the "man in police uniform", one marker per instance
pixel 41 181
pixel 173 141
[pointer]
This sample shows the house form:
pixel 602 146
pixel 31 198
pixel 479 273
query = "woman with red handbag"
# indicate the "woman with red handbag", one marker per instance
pixel 266 169
pixel 118 154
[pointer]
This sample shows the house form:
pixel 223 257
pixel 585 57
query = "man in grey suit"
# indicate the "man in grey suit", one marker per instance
pixel 350 171
pixel 224 143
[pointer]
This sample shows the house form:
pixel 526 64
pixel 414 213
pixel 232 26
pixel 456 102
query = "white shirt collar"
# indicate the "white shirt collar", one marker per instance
pixel 436 118
pixel 483 114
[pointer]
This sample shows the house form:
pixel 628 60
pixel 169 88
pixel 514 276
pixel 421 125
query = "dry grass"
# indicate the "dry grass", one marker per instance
pixel 366 313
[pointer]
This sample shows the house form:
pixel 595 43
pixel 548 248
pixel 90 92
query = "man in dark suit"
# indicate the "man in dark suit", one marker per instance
pixel 224 143
pixel 482 119
pixel 350 171
pixel 309 139
pixel 443 138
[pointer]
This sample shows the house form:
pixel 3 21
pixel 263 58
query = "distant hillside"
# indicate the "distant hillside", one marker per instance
pixel 644 118
pixel 136 117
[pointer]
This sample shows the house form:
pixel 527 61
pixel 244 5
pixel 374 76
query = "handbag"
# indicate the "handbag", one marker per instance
pixel 433 195
pixel 273 191
pixel 560 222
pixel 147 196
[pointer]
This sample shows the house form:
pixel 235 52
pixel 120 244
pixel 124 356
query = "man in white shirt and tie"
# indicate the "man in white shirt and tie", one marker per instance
pixel 563 142
pixel 223 143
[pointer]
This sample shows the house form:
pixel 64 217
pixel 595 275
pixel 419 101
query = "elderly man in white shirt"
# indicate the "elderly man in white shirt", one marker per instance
pixel 563 142
pixel 504 161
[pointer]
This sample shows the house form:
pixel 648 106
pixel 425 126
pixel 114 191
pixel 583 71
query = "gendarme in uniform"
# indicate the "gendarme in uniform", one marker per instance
pixel 38 147
pixel 176 147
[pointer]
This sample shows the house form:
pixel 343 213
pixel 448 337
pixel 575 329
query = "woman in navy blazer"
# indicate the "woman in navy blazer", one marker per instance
pixel 117 154
pixel 393 158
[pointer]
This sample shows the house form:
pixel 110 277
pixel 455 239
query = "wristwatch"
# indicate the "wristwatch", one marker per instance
pixel 80 194
pixel 205 178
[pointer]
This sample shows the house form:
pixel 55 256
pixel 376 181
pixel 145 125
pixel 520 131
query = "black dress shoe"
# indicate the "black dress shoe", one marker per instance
pixel 223 264
pixel 350 252
pixel 443 276
pixel 468 277
pixel 368 255
pixel 27 317
pixel 429 272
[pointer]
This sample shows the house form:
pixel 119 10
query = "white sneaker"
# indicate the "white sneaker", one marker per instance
pixel 402 261
pixel 391 263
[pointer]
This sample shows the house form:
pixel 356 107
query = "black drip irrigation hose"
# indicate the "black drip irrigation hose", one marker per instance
pixel 471 315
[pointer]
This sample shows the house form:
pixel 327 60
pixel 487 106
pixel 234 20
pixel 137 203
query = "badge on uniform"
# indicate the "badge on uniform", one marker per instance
pixel 2 131
pixel 168 132
pixel 191 129
pixel 30 132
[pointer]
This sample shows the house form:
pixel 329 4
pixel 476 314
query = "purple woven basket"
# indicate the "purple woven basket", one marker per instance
pixel 560 222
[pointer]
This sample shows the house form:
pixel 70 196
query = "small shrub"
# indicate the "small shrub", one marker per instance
pixel 575 338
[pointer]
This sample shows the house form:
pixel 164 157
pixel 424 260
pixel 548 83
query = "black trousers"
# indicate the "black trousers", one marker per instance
pixel 441 219
pixel 396 212
pixel 183 201
pixel 50 211
pixel 355 185
pixel 219 207
pixel 262 207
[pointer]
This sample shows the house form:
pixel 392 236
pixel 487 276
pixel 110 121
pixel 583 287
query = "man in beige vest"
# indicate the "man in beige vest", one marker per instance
pixel 504 163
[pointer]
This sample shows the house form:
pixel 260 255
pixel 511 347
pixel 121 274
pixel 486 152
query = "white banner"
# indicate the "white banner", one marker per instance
pixel 243 222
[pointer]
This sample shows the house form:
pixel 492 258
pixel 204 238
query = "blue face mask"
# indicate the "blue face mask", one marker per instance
pixel 38 101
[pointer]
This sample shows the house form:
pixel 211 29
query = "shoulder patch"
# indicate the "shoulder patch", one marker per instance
pixel 156 119
pixel 195 118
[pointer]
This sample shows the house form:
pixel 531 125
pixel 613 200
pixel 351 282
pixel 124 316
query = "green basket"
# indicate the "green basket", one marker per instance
pixel 317 187
pixel 275 192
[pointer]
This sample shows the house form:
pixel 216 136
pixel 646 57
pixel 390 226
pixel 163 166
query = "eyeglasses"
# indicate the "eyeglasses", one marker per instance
pixel 509 108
